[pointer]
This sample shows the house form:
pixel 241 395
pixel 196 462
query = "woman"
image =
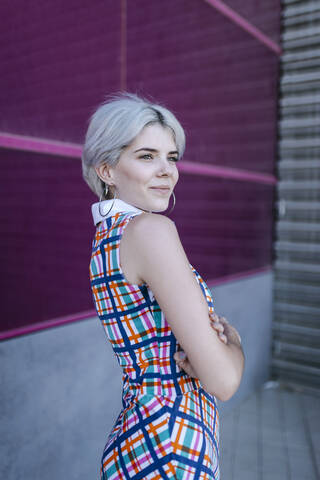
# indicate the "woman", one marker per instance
pixel 151 301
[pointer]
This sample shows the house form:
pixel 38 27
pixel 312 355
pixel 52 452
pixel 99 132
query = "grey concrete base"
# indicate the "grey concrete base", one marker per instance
pixel 61 388
pixel 60 395
pixel 247 304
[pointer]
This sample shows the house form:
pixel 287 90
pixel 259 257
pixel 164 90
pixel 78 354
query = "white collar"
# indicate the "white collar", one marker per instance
pixel 105 205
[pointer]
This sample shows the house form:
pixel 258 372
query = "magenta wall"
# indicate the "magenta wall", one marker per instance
pixel 221 81
pixel 59 60
pixel 45 237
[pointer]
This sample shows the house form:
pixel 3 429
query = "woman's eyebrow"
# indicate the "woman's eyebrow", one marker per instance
pixel 154 150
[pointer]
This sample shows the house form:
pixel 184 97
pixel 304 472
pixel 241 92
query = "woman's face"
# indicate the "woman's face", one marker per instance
pixel 146 172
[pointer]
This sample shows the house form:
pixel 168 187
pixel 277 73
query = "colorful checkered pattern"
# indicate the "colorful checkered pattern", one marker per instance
pixel 168 427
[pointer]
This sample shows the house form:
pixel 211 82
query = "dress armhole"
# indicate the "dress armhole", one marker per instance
pixel 124 222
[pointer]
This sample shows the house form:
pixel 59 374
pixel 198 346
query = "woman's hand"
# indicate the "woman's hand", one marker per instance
pixel 183 362
pixel 218 323
pixel 227 333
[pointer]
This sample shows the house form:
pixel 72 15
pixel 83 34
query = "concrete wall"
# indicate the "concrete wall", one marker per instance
pixel 247 304
pixel 61 388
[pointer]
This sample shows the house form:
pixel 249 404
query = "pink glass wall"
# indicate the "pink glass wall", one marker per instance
pixel 59 60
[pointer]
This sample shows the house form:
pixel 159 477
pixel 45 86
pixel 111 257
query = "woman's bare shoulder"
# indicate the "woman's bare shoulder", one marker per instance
pixel 147 227
pixel 147 237
pixel 155 219
pixel 154 243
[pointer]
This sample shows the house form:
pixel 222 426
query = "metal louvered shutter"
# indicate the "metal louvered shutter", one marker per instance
pixel 296 319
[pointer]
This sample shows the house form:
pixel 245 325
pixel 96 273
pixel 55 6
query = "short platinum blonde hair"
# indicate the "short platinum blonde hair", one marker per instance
pixel 114 126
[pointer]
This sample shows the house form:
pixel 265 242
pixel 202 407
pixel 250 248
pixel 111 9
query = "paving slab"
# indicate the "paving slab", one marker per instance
pixel 274 434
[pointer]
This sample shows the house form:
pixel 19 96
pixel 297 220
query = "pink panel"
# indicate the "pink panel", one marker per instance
pixel 58 60
pixel 220 81
pixel 225 225
pixel 265 15
pixel 46 235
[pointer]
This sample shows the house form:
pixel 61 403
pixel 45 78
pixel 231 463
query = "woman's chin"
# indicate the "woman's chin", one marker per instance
pixel 156 205
pixel 160 207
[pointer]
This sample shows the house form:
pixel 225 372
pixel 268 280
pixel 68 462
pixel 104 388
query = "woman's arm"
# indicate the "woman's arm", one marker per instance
pixel 227 333
pixel 161 262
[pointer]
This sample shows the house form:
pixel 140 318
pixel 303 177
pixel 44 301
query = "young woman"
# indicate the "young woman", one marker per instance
pixel 153 304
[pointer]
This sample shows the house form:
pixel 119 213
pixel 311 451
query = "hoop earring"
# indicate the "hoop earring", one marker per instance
pixel 114 197
pixel 174 202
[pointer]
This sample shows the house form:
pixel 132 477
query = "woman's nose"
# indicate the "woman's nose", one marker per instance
pixel 164 166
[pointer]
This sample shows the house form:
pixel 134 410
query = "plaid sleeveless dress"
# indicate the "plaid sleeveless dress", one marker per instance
pixel 168 427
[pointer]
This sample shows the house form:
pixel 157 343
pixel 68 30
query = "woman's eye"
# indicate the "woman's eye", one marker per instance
pixel 148 156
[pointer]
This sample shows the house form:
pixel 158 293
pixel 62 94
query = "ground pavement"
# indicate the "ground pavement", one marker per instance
pixel 273 435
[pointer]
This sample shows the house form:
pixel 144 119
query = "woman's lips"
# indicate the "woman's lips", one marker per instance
pixel 161 190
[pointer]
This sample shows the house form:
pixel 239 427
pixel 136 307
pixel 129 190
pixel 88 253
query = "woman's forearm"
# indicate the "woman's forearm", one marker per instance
pixel 233 370
pixel 238 360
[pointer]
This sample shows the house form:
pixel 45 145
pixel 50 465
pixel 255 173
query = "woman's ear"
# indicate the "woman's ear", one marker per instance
pixel 104 172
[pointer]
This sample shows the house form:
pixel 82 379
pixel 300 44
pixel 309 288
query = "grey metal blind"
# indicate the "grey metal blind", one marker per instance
pixel 296 320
